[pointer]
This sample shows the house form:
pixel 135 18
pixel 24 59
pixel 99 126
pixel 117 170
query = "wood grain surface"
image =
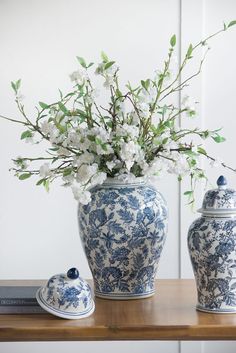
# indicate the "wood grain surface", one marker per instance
pixel 169 315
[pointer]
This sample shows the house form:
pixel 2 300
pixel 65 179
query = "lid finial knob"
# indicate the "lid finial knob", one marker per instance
pixel 221 181
pixel 73 273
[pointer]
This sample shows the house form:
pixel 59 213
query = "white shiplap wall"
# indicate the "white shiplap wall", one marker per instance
pixel 39 43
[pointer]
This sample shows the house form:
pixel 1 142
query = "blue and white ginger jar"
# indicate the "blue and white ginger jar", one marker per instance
pixel 212 248
pixel 123 230
pixel 67 296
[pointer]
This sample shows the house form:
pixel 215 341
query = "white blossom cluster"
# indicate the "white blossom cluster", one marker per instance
pixel 136 134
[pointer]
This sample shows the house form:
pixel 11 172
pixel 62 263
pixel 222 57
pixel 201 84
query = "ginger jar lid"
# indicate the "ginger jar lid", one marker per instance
pixel 67 296
pixel 221 201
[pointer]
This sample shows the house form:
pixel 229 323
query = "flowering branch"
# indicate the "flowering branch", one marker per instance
pixel 135 135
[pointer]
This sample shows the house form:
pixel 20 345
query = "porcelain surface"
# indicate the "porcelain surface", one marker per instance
pixel 220 200
pixel 67 296
pixel 123 230
pixel 212 248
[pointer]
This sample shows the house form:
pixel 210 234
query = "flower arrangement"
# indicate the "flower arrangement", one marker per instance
pixel 136 134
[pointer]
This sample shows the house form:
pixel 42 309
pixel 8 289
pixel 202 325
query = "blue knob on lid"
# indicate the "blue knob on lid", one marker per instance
pixel 221 181
pixel 73 273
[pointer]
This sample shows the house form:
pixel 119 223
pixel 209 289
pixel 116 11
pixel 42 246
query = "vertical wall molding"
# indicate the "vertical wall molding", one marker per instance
pixel 191 31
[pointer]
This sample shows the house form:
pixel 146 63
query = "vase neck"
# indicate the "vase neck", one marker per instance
pixel 124 181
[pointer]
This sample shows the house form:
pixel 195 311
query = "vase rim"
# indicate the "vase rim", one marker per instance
pixel 124 181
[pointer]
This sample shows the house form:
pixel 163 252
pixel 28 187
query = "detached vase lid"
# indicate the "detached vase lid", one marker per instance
pixel 220 201
pixel 67 296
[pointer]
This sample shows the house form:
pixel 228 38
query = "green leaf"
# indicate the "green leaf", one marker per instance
pixel 104 57
pixel 104 146
pixel 67 171
pixel 54 149
pixel 189 51
pixel 89 65
pixel 145 84
pixel 169 123
pixel 43 105
pixel 109 64
pixel 165 140
pixel 70 94
pixel 218 138
pixel 18 82
pixel 55 159
pixel 40 181
pixel 190 153
pixel 173 40
pixel 91 138
pixel 13 86
pixel 232 23
pixel 24 176
pixel 109 124
pixel 118 93
pixel 61 128
pixel 46 184
pixel 81 61
pixel 188 193
pixel 26 134
pixel 193 162
pixel 204 134
pixel 61 94
pixel 201 150
pixel 98 141
pixel 63 108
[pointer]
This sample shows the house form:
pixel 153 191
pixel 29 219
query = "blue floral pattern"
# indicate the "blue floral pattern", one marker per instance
pixel 220 199
pixel 60 293
pixel 123 230
pixel 212 246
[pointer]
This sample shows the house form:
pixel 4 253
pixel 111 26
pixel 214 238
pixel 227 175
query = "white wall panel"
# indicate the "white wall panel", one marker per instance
pixel 215 89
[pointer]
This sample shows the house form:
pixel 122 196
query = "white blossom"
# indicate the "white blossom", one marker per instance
pixel 126 129
pixel 46 128
pixel 63 152
pixel 83 196
pixel 110 165
pixel 93 94
pixel 85 172
pixel 79 76
pixel 84 158
pixel 104 150
pixel 194 149
pixel 129 153
pixel 179 166
pixel 98 178
pixel 148 96
pixel 73 139
pixel 109 81
pixel 134 118
pixel 100 133
pixel 68 179
pixel 44 170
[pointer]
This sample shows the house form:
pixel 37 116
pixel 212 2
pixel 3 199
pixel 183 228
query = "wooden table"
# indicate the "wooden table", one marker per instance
pixel 169 315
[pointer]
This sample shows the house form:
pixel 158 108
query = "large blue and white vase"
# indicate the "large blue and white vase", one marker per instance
pixel 123 230
pixel 212 248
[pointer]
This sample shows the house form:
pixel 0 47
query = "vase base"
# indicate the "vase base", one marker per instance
pixel 216 311
pixel 123 296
